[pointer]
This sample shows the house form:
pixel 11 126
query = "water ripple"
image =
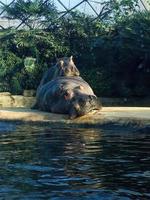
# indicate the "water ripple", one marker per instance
pixel 38 162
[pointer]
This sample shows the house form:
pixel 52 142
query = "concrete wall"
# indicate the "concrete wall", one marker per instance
pixel 27 100
pixel 8 100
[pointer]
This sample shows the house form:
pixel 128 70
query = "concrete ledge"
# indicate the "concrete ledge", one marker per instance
pixel 8 100
pixel 137 116
pixel 27 100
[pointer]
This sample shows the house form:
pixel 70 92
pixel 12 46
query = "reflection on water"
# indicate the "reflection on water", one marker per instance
pixel 53 163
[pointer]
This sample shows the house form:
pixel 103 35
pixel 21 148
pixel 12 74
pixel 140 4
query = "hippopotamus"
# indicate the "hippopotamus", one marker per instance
pixel 63 67
pixel 67 95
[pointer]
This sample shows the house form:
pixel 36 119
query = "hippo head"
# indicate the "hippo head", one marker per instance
pixel 83 104
pixel 67 67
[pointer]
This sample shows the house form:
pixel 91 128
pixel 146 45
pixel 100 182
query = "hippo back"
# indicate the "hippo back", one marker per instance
pixel 67 83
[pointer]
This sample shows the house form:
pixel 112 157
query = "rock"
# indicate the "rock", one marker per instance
pixel 5 94
pixel 21 101
pixel 29 93
pixel 6 101
pixel 134 117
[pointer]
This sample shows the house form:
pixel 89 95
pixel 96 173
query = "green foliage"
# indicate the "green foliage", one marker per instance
pixel 99 79
pixel 15 86
pixel 29 64
pixel 126 45
pixel 114 11
pixel 113 54
pixel 32 12
pixel 29 53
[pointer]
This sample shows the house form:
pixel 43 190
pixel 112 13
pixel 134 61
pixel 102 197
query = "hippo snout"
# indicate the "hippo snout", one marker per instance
pixel 82 105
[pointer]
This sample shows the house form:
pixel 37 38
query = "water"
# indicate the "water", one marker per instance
pixel 73 164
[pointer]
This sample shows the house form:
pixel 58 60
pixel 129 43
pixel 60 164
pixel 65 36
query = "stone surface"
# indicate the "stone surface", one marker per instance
pixel 29 93
pixel 27 100
pixel 21 101
pixel 117 115
pixel 5 94
pixel 17 108
pixel 8 100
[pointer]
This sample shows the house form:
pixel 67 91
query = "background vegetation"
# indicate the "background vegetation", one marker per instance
pixel 112 52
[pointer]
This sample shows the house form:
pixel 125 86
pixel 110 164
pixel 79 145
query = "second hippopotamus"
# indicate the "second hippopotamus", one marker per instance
pixel 63 67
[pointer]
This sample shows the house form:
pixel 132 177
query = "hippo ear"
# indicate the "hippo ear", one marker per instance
pixel 61 63
pixel 80 87
pixel 71 58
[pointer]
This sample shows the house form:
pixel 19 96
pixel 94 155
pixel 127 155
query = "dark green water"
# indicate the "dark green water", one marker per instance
pixel 72 164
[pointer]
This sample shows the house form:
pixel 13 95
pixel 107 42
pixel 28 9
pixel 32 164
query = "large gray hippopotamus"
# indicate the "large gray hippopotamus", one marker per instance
pixel 67 95
pixel 63 67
